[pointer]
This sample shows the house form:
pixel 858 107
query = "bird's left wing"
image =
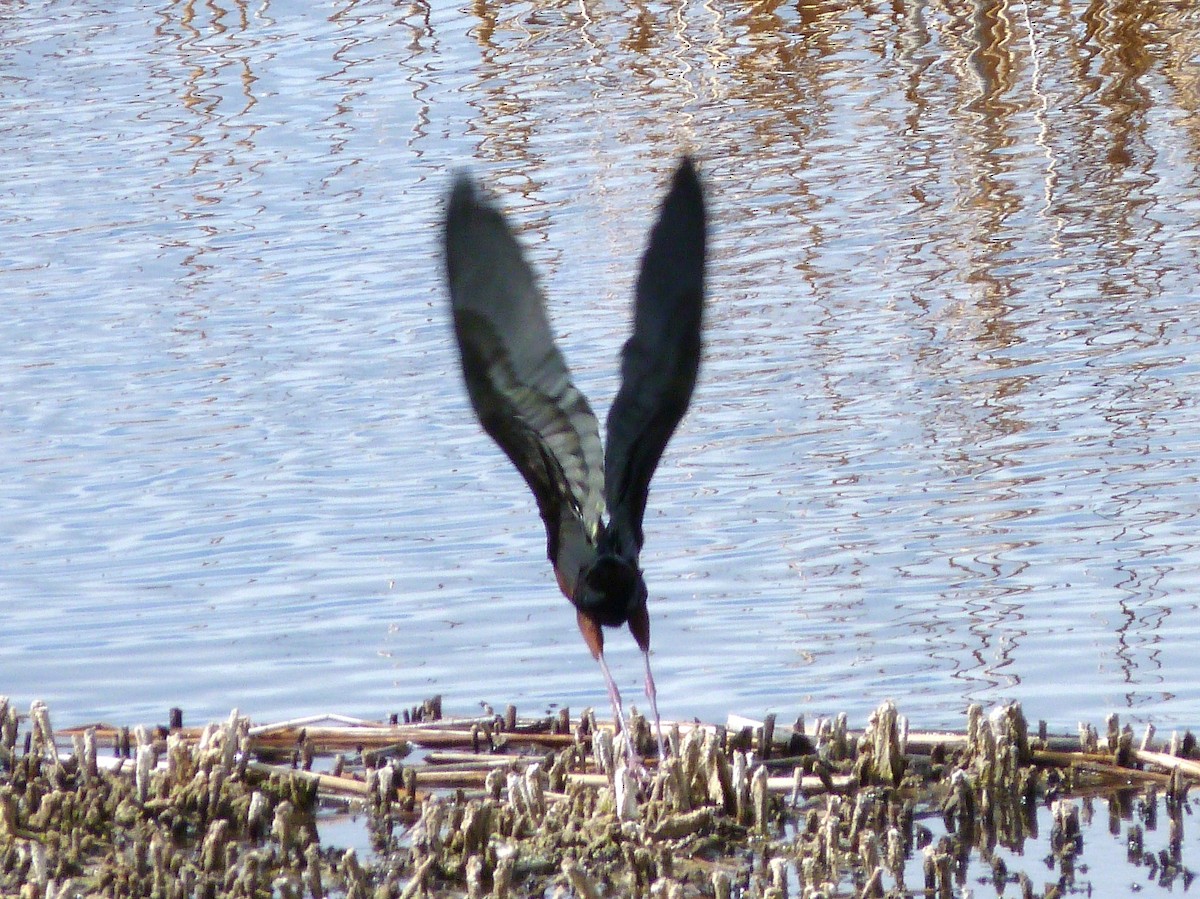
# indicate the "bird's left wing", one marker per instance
pixel 660 361
pixel 517 379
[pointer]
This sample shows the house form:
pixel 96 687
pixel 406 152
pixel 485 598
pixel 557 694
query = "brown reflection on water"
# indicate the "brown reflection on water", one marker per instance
pixel 203 57
pixel 979 198
pixel 945 443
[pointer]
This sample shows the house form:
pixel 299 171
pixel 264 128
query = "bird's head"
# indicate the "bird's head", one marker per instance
pixel 611 591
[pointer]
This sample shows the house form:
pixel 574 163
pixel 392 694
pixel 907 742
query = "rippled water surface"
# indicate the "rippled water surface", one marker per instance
pixel 946 446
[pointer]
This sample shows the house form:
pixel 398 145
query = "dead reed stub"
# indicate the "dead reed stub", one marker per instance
pixel 509 820
pixel 183 815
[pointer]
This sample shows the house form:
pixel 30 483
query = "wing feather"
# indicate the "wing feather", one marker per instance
pixel 516 377
pixel 660 361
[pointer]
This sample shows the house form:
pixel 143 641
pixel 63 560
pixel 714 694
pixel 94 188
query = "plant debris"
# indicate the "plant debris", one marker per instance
pixel 499 806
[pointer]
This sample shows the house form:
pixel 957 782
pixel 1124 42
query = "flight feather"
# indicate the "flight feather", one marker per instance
pixel 517 379
pixel 660 360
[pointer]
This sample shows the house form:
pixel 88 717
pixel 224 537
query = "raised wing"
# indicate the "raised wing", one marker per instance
pixel 660 361
pixel 516 377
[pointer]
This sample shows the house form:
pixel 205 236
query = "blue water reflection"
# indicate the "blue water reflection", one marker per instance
pixel 945 448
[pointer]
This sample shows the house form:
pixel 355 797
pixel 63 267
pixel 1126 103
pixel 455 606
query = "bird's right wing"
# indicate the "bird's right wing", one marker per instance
pixel 516 377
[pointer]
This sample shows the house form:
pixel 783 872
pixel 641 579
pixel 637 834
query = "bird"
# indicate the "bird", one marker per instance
pixel 591 498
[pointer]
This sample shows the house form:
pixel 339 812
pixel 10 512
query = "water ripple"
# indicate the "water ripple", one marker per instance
pixel 944 447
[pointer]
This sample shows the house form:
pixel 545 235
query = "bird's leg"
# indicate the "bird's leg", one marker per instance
pixel 594 637
pixel 652 695
pixel 614 696
pixel 639 626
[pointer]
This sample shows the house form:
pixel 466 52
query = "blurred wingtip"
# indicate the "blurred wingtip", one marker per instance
pixel 686 188
pixel 463 194
pixel 470 215
pixel 465 214
pixel 687 174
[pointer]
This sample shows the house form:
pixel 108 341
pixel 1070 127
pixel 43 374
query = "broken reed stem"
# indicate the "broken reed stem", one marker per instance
pixel 442 779
pixel 1186 767
pixel 453 734
pixel 327 783
pixel 448 766
pixel 333 739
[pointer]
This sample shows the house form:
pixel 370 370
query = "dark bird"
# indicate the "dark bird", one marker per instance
pixel 521 390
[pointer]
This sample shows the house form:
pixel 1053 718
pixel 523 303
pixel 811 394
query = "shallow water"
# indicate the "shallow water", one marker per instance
pixel 945 446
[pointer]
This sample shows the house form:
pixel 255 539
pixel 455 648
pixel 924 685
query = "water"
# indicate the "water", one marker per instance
pixel 946 443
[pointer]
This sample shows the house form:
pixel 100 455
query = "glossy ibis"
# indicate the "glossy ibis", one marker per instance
pixel 521 390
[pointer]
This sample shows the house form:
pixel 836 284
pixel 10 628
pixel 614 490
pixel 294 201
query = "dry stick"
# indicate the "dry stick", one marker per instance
pixel 373 737
pixel 286 735
pixel 329 783
pixel 1057 759
pixel 439 779
pixel 355 732
pixel 308 720
pixel 465 760
pixel 332 720
pixel 1103 765
pixel 1170 762
pixel 916 743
